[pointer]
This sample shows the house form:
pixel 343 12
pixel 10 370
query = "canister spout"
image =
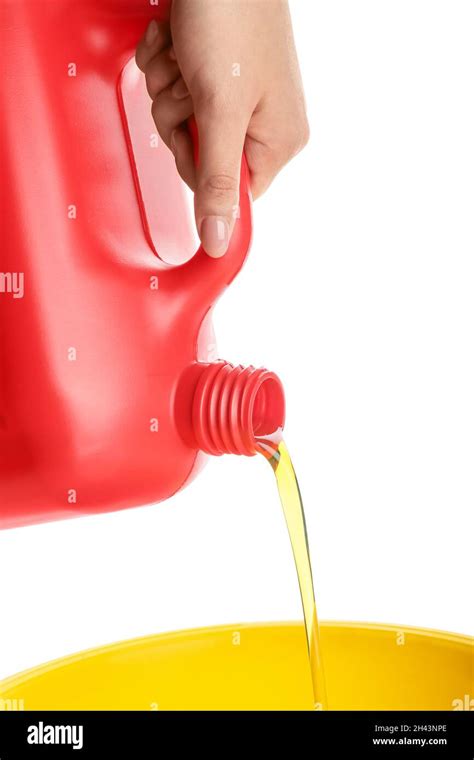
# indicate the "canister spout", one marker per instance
pixel 231 407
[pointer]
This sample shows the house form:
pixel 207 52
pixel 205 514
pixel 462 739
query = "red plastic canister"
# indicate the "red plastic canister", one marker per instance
pixel 109 392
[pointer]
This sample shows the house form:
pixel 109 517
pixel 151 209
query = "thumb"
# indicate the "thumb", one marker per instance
pixel 221 142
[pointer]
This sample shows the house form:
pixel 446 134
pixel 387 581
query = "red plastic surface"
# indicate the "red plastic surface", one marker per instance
pixel 93 353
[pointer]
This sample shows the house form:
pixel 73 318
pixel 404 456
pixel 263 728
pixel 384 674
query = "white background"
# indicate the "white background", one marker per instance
pixel 359 293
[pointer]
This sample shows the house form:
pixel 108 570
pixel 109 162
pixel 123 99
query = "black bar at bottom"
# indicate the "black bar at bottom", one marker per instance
pixel 144 735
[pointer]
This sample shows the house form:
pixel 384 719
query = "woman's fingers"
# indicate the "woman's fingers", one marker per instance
pixel 172 104
pixel 160 73
pixel 169 112
pixel 156 38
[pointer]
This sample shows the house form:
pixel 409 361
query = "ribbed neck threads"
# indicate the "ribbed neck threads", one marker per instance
pixel 233 406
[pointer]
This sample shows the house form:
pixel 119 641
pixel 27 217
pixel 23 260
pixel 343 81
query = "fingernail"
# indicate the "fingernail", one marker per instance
pixel 215 235
pixel 179 89
pixel 172 53
pixel 151 32
pixel 173 141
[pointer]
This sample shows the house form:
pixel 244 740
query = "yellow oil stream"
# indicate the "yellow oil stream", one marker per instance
pixel 275 450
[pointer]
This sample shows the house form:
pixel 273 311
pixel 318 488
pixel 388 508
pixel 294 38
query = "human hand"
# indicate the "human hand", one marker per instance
pixel 233 64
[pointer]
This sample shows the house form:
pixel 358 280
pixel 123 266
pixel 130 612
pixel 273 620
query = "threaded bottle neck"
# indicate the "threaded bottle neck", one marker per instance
pixel 233 406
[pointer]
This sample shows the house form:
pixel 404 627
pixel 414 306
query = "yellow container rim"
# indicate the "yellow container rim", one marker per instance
pixel 186 633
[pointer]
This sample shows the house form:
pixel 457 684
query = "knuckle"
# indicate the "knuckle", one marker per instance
pixel 295 139
pixel 304 134
pixel 157 76
pixel 158 112
pixel 206 89
pixel 139 59
pixel 155 81
pixel 217 102
pixel 214 101
pixel 151 85
pixel 220 185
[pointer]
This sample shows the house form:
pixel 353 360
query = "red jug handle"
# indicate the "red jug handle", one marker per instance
pixel 205 277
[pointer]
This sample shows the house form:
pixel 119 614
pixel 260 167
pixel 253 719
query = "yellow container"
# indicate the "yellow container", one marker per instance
pixel 253 667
